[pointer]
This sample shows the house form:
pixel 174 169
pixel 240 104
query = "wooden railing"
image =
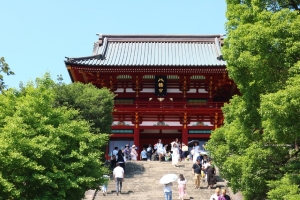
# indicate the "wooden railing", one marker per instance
pixel 171 105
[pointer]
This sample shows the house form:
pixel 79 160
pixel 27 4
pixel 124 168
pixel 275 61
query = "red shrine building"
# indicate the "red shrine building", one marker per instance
pixel 166 86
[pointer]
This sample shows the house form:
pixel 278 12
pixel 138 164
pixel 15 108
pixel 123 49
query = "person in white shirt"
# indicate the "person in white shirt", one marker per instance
pixel 192 152
pixel 196 152
pixel 205 165
pixel 165 149
pixel 216 195
pixel 175 155
pixel 133 153
pixel 159 149
pixel 118 177
pixel 168 191
pixel 176 144
pixel 204 160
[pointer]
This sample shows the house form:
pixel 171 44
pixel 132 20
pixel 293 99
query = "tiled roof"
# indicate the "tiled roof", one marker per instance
pixel 154 50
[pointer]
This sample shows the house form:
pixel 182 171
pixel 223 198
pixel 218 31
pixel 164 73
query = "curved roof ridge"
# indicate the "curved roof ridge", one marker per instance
pixel 155 50
pixel 82 58
pixel 159 37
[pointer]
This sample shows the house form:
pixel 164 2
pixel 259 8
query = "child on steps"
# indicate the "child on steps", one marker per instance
pixel 104 186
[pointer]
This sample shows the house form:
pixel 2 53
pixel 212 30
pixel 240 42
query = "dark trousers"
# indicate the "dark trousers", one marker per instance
pixel 149 156
pixel 119 184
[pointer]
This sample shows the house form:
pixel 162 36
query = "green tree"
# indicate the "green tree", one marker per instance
pixel 262 50
pixel 4 68
pixel 94 105
pixel 280 116
pixel 46 152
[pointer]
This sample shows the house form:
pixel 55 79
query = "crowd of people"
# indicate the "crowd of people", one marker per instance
pixel 157 152
pixel 181 186
pixel 202 168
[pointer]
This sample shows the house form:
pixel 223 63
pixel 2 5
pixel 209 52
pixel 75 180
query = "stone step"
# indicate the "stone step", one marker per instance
pixel 142 182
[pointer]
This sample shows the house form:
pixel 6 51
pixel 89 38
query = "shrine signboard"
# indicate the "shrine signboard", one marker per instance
pixel 160 85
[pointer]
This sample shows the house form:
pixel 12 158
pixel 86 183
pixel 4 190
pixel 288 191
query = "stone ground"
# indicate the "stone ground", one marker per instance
pixel 141 182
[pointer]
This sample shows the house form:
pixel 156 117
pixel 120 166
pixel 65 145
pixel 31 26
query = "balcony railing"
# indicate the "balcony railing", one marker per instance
pixel 179 105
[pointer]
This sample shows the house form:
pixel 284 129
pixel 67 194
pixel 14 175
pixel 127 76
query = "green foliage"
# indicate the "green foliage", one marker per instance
pixel 46 152
pixel 94 105
pixel 4 68
pixel 285 188
pixel 253 148
pixel 280 113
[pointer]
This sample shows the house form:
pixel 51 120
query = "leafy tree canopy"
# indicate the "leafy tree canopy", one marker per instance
pixel 46 151
pixel 4 68
pixel 253 148
pixel 280 116
pixel 94 105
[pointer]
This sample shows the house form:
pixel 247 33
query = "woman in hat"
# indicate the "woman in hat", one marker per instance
pixel 133 153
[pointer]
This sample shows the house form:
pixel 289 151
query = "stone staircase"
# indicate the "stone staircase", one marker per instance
pixel 141 182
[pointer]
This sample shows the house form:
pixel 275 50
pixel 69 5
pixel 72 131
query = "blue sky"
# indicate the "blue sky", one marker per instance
pixel 37 35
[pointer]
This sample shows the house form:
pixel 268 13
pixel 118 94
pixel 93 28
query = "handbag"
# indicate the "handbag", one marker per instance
pixel 185 148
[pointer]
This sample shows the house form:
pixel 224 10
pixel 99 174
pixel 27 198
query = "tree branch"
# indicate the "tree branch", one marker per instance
pixel 294 5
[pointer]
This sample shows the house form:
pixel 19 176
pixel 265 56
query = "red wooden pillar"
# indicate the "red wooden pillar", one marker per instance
pixel 136 139
pixel 136 134
pixel 184 135
pixel 184 130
